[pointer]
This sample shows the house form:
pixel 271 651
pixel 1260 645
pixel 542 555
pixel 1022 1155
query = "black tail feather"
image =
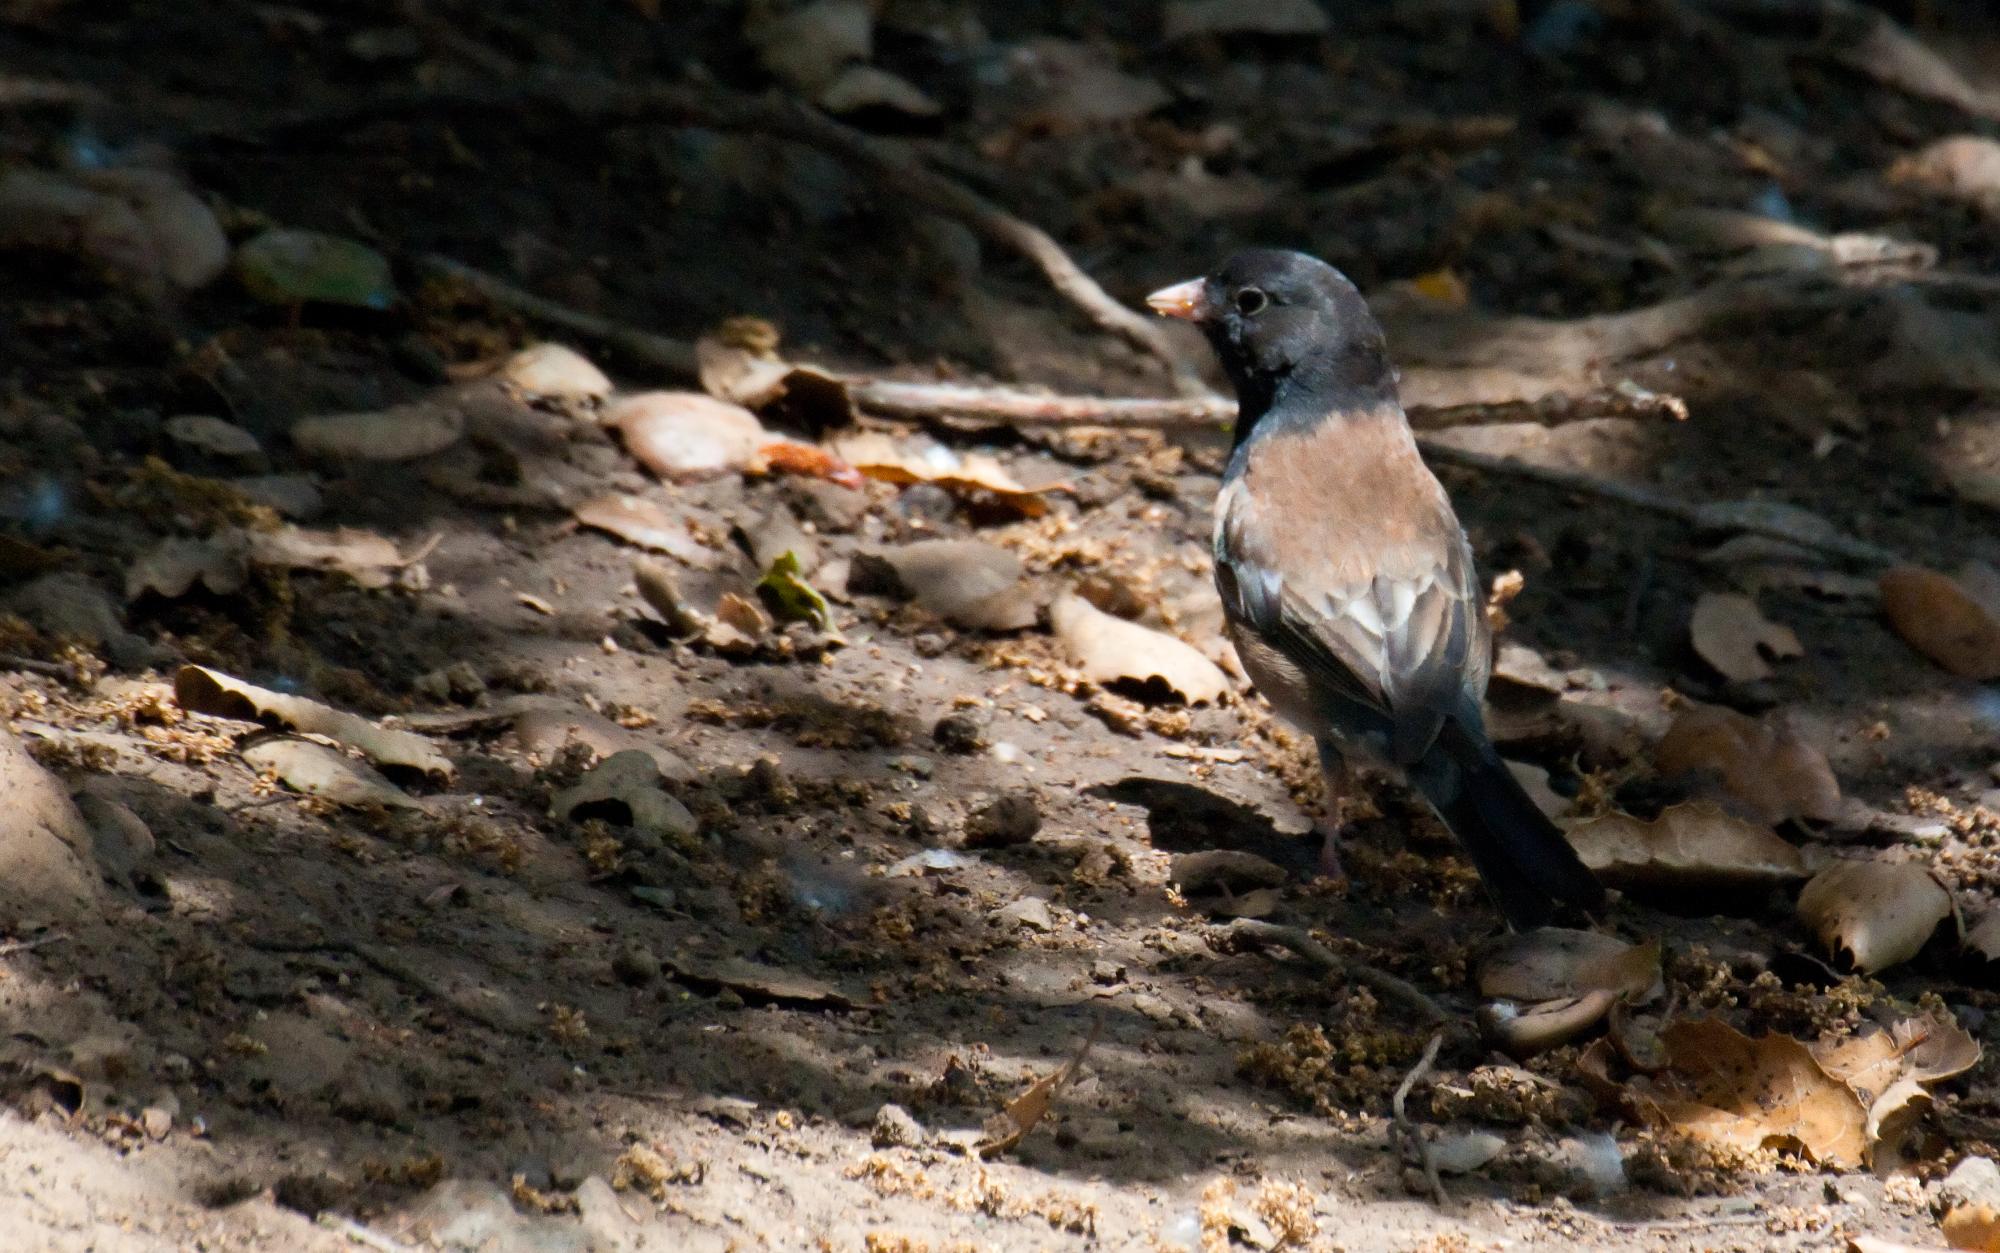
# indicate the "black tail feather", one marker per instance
pixel 1527 864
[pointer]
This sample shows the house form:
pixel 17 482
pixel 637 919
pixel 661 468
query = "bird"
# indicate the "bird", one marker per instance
pixel 1346 579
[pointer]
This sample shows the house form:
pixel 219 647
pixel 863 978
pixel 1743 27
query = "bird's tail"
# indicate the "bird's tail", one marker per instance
pixel 1527 864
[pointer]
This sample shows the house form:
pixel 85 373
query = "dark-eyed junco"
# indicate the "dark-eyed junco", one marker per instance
pixel 1345 575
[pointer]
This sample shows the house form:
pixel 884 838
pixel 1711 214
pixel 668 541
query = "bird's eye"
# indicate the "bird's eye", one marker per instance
pixel 1251 301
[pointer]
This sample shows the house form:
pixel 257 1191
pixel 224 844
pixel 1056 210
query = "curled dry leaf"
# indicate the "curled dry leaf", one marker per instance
pixel 1972 1227
pixel 740 366
pixel 371 560
pixel 544 730
pixel 810 460
pixel 315 769
pixel 1564 982
pixel 726 620
pixel 1688 846
pixel 877 456
pixel 1731 634
pixel 1879 912
pixel 1551 962
pixel 1725 1089
pixel 556 372
pixel 1112 652
pixel 685 435
pixel 205 691
pixel 626 787
pixel 968 583
pixel 860 87
pixel 211 435
pixel 1766 765
pixel 644 523
pixel 401 433
pixel 1926 1049
pixel 174 566
pixel 1005 1129
pixel 1940 619
pixel 757 983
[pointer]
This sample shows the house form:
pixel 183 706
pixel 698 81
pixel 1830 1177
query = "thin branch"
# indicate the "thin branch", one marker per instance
pixel 358 1234
pixel 12 947
pixel 672 355
pixel 1694 513
pixel 1338 968
pixel 900 173
pixel 930 401
pixel 1414 1137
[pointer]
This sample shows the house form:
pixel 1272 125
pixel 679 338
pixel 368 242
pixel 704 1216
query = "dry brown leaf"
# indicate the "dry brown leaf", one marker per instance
pixel 403 433
pixel 1543 1025
pixel 1688 845
pixel 372 561
pixel 1723 1088
pixel 644 523
pixel 969 583
pixel 556 372
pixel 877 456
pixel 1731 634
pixel 1974 1227
pixel 1005 1129
pixel 315 769
pixel 1880 912
pixel 757 983
pixel 683 436
pixel 172 567
pixel 740 367
pixel 1927 1048
pixel 201 690
pixel 627 783
pixel 211 435
pixel 1111 651
pixel 1941 620
pixel 1764 764
pixel 1552 962
pixel 810 460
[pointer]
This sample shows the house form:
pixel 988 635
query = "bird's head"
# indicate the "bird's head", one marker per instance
pixel 1287 327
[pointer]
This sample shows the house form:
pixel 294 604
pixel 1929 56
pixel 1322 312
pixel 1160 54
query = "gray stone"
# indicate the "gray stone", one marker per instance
pixel 895 1128
pixel 1012 818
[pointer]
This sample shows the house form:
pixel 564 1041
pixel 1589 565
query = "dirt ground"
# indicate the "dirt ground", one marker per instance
pixel 267 1019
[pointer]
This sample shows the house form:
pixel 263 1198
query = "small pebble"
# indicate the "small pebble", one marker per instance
pixel 1009 819
pixel 895 1128
pixel 961 732
pixel 636 965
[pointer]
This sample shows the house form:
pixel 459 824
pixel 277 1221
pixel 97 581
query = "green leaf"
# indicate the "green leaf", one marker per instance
pixel 293 267
pixel 790 597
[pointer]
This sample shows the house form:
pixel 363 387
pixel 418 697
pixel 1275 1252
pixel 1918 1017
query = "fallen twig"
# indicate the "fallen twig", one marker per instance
pixel 54 669
pixel 710 105
pixel 1401 991
pixel 919 401
pixel 354 1231
pixel 1411 1135
pixel 1692 512
pixel 673 355
pixel 22 946
pixel 390 966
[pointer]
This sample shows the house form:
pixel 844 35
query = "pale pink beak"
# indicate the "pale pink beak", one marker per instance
pixel 1187 301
